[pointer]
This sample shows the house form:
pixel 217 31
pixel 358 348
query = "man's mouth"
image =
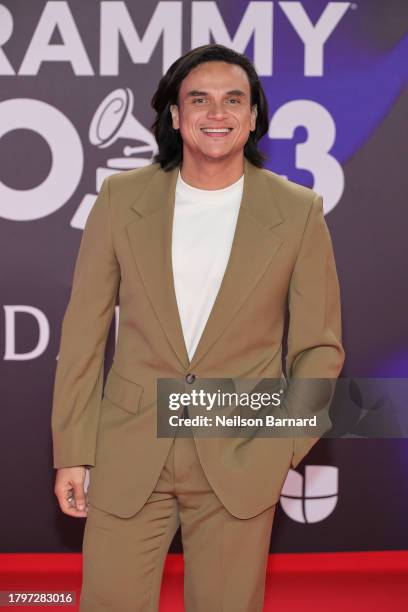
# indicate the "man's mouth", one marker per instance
pixel 217 132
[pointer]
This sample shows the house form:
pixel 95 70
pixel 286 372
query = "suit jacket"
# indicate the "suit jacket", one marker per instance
pixel 281 256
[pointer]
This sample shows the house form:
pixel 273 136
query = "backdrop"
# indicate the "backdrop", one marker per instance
pixel 76 79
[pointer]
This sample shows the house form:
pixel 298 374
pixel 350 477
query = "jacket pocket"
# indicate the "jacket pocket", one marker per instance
pixel 123 392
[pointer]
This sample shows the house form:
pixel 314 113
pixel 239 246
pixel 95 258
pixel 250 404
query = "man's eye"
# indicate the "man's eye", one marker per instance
pixel 230 100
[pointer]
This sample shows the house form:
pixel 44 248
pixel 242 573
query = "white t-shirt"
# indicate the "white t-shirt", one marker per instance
pixel 203 230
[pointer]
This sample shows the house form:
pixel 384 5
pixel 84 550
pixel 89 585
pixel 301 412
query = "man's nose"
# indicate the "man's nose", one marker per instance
pixel 217 109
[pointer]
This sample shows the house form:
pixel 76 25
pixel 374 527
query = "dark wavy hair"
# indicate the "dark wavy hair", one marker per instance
pixel 169 141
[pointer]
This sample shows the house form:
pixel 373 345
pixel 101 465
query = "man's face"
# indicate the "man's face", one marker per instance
pixel 214 95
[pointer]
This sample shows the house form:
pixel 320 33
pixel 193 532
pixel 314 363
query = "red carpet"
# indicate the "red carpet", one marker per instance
pixel 334 582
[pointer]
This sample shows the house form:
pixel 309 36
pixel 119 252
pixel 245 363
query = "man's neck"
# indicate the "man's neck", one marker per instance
pixel 214 174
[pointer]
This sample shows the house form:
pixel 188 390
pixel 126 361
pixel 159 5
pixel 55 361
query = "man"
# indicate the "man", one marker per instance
pixel 205 248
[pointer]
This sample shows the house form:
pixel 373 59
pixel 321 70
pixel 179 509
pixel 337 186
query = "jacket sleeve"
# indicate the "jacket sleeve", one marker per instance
pixel 78 384
pixel 314 334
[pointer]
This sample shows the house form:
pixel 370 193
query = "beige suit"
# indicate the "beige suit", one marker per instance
pixel 281 249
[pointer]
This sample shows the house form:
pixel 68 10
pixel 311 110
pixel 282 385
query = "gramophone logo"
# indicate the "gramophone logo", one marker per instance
pixel 112 120
pixel 311 498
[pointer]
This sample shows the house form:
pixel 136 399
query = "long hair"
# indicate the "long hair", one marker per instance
pixel 169 141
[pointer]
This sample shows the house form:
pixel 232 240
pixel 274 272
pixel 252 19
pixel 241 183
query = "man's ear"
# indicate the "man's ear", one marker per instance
pixel 174 116
pixel 254 114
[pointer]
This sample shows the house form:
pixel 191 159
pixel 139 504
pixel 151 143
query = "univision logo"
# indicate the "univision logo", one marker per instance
pixel 311 498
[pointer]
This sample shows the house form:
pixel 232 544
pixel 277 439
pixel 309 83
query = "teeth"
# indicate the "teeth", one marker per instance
pixel 216 129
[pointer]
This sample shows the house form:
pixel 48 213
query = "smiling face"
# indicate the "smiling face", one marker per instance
pixel 214 114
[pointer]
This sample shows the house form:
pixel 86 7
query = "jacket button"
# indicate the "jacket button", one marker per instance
pixel 190 377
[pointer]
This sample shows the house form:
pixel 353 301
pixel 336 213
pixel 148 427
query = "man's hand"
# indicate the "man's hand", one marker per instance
pixel 69 489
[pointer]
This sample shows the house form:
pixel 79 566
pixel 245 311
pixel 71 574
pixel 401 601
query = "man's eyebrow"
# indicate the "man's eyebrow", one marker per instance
pixel 232 92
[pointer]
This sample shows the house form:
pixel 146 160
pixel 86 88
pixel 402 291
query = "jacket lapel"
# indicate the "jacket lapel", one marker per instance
pixel 253 247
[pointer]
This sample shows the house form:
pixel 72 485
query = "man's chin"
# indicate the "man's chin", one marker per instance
pixel 217 155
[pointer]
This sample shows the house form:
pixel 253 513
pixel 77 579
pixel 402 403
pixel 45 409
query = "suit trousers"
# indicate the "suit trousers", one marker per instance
pixel 225 558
